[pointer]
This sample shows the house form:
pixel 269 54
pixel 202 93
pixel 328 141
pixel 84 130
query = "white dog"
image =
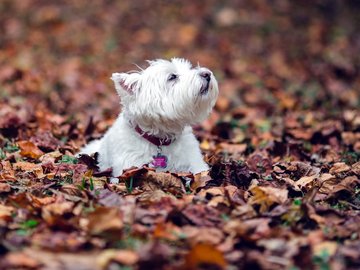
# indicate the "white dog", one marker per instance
pixel 159 105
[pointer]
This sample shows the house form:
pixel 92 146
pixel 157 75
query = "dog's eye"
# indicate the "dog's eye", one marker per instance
pixel 172 77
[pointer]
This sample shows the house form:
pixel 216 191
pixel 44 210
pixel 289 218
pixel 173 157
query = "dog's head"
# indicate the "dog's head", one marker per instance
pixel 167 95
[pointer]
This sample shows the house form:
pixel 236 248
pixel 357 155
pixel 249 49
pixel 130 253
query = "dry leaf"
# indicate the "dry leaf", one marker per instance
pixel 29 167
pixel 104 219
pixel 328 247
pixel 29 149
pixel 204 254
pixel 200 180
pixel 52 212
pixel 267 196
pixel 233 149
pixel 306 182
pixel 165 181
pixel 6 172
pixel 4 187
pixel 339 167
pixel 6 212
pixel 16 260
pixel 124 257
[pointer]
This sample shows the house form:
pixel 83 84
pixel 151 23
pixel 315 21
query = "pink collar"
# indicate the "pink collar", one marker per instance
pixel 153 139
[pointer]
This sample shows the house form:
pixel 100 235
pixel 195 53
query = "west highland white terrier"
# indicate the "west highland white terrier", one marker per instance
pixel 159 105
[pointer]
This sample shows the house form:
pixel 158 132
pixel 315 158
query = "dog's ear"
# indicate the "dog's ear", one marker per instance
pixel 125 82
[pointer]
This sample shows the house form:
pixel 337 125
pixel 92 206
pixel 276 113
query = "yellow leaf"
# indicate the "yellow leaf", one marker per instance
pixel 327 247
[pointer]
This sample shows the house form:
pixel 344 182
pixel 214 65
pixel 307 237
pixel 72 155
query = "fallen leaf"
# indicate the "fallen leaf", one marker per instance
pixel 29 167
pixel 4 187
pixel 328 247
pixel 46 141
pixel 19 260
pixel 29 149
pixel 267 196
pixel 6 212
pixel 131 172
pixel 306 182
pixel 206 235
pixel 57 241
pixel 339 167
pixel 233 149
pixel 164 181
pixel 123 257
pixel 104 219
pixel 200 180
pixel 53 212
pixel 154 255
pixel 204 254
pixel 167 231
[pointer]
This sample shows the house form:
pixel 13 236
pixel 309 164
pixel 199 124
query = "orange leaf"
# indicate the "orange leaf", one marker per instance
pixel 29 149
pixel 204 254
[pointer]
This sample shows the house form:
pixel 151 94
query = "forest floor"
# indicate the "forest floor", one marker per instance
pixel 283 141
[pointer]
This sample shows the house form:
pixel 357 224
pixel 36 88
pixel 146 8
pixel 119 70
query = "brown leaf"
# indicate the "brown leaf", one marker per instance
pixel 64 260
pixel 233 149
pixel 201 215
pixel 200 180
pixel 6 171
pixel 164 181
pixel 124 257
pixel 41 201
pixel 29 149
pixel 267 196
pixel 355 168
pixel 347 185
pixel 4 187
pixel 154 255
pixel 306 182
pixel 215 196
pixel 6 212
pixel 254 229
pixel 109 199
pixel 339 167
pixel 46 141
pixel 53 212
pixel 204 254
pixel 19 260
pixel 29 167
pixel 152 196
pixel 207 235
pixel 58 240
pixel 132 172
pixel 104 219
pixel 259 163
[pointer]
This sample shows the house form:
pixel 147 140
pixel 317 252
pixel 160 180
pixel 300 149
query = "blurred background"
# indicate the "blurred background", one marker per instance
pixel 276 56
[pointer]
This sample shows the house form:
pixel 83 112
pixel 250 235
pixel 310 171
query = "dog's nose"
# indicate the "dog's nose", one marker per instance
pixel 206 75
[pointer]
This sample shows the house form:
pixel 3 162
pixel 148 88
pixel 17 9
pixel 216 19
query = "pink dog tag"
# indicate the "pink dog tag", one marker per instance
pixel 160 161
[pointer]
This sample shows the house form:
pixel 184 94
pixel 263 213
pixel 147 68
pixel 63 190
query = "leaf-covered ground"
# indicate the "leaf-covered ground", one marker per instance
pixel 283 142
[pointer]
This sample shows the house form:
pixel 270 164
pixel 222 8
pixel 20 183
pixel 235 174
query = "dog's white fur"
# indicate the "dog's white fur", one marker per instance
pixel 162 106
